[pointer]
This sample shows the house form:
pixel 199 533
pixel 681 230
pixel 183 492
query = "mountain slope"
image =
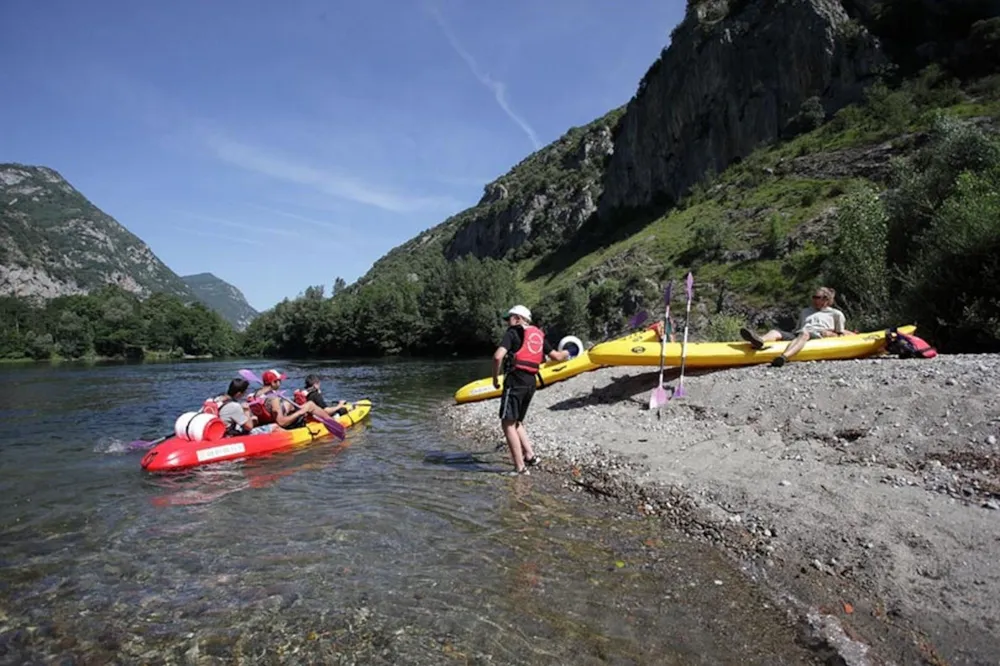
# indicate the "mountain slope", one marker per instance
pixel 222 297
pixel 746 139
pixel 739 76
pixel 54 242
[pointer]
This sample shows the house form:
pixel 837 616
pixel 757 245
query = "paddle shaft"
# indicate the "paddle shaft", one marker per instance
pixel 663 336
pixel 687 320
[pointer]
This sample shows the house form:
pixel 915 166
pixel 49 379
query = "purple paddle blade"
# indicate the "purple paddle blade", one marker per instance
pixel 638 319
pixel 250 376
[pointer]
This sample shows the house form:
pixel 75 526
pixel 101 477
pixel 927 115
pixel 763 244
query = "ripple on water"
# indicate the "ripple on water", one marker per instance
pixel 371 548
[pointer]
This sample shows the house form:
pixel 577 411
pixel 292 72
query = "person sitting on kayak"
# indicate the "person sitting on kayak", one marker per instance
pixel 270 407
pixel 237 416
pixel 821 320
pixel 312 392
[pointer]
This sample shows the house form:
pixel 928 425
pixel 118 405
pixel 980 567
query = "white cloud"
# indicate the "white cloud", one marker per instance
pixel 244 226
pixel 224 237
pixel 251 158
pixel 301 218
pixel 498 88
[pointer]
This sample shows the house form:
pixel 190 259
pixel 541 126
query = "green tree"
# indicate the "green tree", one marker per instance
pixel 573 318
pixel 858 265
pixel 73 336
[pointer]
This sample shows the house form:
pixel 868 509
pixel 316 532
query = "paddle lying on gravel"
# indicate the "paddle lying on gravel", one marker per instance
pixel 659 397
pixel 332 425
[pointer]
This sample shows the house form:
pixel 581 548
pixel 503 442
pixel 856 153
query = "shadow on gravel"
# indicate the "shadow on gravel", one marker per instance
pixel 631 387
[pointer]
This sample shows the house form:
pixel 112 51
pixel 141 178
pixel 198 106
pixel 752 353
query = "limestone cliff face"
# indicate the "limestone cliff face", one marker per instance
pixel 542 201
pixel 735 76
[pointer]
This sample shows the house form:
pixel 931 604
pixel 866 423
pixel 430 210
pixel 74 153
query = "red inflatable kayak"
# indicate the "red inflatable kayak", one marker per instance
pixel 176 453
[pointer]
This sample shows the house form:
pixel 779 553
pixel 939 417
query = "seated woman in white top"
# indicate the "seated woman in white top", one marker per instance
pixel 822 320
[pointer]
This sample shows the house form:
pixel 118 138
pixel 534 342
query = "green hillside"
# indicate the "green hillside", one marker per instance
pixel 757 237
pixel 221 297
pixel 850 162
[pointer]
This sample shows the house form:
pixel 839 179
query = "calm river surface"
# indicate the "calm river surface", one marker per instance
pixel 367 551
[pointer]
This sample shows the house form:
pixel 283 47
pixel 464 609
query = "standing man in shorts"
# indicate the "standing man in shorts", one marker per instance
pixel 521 352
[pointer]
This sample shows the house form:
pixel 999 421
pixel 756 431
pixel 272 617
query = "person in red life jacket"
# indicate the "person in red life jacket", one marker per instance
pixel 522 350
pixel 269 407
pixel 312 392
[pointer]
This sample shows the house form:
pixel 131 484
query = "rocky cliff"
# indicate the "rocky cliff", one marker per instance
pixel 54 242
pixel 736 75
pixel 543 200
pixel 222 297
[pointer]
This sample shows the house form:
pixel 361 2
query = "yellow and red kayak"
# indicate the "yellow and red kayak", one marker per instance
pixel 636 350
pixel 549 373
pixel 176 453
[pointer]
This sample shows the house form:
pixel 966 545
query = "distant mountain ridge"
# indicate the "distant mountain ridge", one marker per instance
pixel 222 297
pixel 55 242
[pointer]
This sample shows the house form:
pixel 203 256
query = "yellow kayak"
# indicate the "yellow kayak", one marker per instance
pixel 635 350
pixel 549 373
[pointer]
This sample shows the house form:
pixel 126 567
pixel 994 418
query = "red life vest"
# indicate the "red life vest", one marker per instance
pixel 300 397
pixel 531 352
pixel 258 407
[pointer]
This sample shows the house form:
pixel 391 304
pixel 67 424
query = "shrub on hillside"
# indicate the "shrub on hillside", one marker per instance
pixel 951 284
pixel 929 254
pixel 924 181
pixel 857 267
pixel 723 328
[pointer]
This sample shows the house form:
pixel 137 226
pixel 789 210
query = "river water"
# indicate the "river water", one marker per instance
pixel 367 551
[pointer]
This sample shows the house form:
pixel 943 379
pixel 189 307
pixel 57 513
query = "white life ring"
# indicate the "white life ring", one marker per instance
pixel 575 342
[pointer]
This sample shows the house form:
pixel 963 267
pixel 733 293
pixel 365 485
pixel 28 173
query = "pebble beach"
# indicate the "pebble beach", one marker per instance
pixel 863 495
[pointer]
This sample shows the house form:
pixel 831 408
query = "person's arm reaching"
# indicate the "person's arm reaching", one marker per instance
pixel 555 354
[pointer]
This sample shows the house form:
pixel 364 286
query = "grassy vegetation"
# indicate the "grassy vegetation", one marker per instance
pixel 754 231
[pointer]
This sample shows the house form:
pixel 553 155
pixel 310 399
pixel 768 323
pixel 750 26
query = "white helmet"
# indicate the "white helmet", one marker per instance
pixel 521 311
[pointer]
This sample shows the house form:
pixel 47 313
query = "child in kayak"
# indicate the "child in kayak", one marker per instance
pixel 236 415
pixel 312 393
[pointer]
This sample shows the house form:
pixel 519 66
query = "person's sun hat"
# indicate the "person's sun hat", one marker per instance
pixel 520 311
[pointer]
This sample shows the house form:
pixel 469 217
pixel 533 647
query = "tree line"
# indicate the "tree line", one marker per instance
pixel 928 250
pixel 111 322
pixel 428 306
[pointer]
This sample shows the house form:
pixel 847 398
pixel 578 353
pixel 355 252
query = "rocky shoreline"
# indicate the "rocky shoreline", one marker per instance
pixel 864 495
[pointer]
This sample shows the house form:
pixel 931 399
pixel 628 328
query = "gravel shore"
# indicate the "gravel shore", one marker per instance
pixel 865 494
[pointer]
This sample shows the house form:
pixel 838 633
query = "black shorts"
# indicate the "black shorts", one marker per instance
pixel 514 401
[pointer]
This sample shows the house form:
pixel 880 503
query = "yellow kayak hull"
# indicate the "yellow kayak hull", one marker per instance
pixel 637 351
pixel 549 373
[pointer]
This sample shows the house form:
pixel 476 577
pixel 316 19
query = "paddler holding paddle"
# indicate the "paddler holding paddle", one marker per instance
pixel 269 407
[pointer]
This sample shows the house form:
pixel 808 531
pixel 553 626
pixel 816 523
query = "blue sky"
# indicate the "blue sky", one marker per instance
pixel 283 144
